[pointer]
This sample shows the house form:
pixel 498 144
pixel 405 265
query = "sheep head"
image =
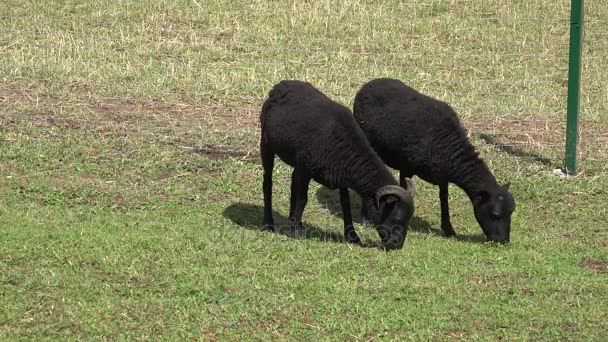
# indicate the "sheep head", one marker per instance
pixel 395 207
pixel 493 209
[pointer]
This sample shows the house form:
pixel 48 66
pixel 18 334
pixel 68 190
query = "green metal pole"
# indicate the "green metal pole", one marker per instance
pixel 574 84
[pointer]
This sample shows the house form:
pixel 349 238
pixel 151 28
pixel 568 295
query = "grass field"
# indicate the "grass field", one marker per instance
pixel 130 186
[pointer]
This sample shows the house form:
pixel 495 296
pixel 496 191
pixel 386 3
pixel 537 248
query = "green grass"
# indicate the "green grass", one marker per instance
pixel 130 192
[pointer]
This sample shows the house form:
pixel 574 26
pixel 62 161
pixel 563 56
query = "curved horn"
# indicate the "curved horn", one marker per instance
pixel 395 190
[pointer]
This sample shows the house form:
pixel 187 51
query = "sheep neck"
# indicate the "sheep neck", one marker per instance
pixel 357 165
pixel 370 176
pixel 472 174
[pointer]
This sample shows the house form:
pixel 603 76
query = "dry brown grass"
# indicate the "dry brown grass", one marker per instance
pixel 196 74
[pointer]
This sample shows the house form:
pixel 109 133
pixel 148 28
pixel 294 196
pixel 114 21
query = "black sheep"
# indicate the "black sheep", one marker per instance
pixel 419 135
pixel 322 141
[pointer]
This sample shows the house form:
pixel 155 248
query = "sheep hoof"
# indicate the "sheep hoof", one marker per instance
pixel 355 240
pixel 296 232
pixel 350 235
pixel 268 227
pixel 448 232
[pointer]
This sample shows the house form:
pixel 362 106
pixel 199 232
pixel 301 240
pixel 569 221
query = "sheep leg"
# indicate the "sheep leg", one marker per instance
pixel 446 225
pixel 299 197
pixel 350 235
pixel 364 215
pixel 268 163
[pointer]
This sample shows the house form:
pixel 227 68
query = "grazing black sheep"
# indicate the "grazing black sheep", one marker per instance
pixel 419 135
pixel 322 141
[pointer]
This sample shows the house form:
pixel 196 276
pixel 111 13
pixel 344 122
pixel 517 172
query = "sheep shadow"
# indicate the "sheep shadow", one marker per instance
pixel 516 152
pixel 249 216
pixel 331 200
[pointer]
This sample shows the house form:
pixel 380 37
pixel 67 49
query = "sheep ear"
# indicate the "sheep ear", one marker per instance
pixel 506 186
pixel 409 186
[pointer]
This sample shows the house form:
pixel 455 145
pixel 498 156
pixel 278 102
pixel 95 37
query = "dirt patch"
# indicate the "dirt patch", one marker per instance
pixel 236 126
pixel 139 121
pixel 11 95
pixel 539 138
pixel 134 111
pixel 534 131
pixel 595 265
pixel 222 153
pixel 83 111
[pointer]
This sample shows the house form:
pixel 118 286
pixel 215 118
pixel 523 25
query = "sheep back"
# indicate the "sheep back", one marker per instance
pixel 307 129
pixel 414 132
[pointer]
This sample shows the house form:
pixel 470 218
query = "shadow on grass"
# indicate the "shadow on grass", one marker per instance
pixel 517 152
pixel 250 216
pixel 331 200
